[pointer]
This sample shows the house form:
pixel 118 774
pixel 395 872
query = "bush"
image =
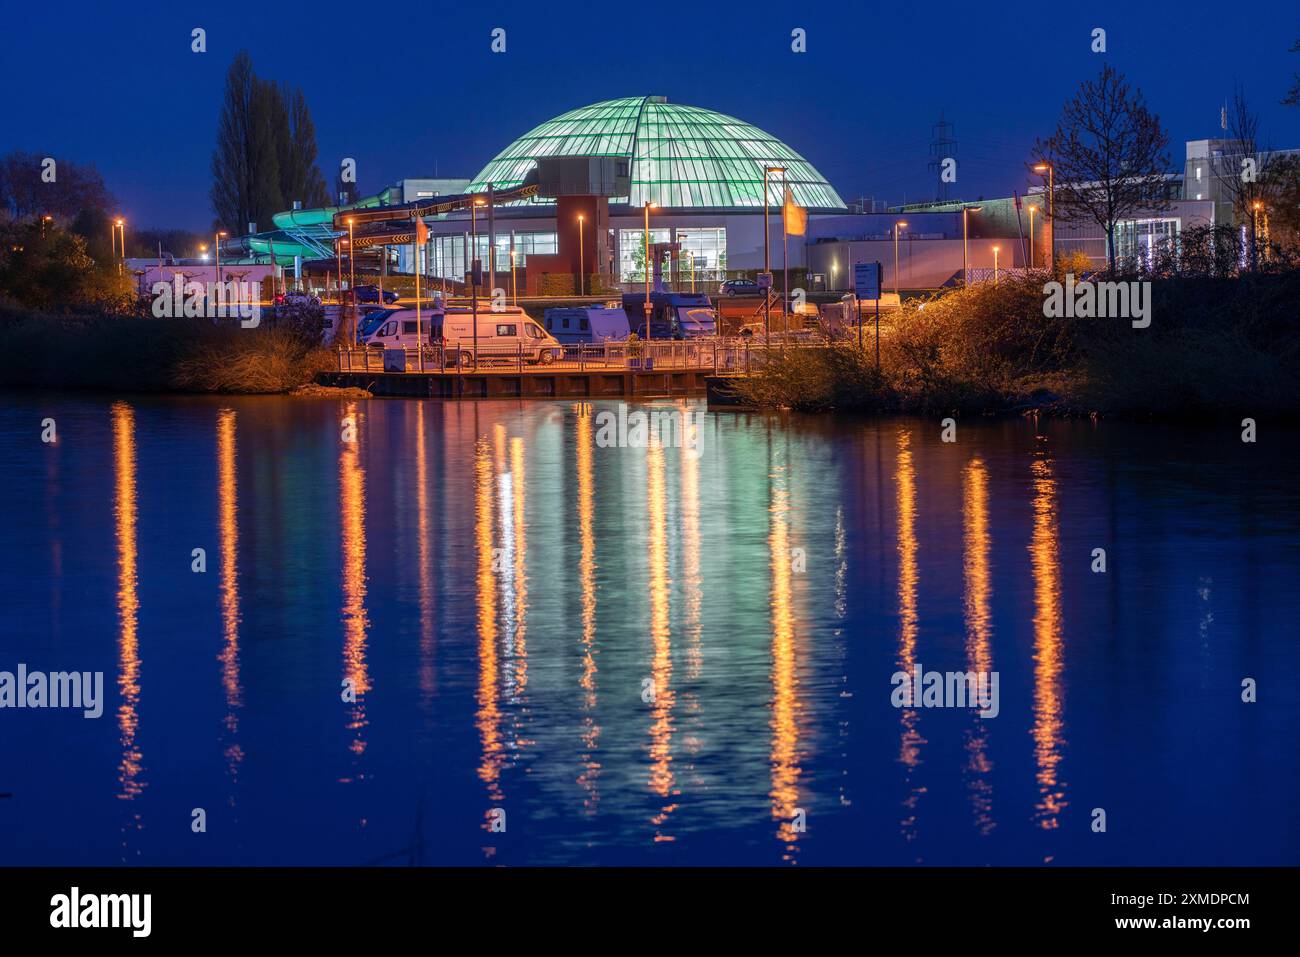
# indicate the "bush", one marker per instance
pixel 1214 345
pixel 135 354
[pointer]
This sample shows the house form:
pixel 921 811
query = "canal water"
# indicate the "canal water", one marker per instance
pixel 476 633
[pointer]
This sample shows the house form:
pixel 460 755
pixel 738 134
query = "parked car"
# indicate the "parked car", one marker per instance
pixel 370 293
pixel 741 287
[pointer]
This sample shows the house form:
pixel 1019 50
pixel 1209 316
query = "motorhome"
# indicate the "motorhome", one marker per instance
pixel 507 334
pixel 588 324
pixel 674 315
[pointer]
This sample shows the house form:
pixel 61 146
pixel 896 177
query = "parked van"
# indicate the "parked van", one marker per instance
pixel 674 315
pixel 400 330
pixel 501 335
pixel 586 324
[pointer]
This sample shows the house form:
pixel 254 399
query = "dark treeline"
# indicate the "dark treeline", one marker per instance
pixel 265 156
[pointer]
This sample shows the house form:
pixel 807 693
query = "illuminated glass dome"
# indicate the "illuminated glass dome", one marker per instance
pixel 683 157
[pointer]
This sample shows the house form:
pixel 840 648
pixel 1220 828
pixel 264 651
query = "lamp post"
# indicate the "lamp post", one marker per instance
pixel 582 268
pixel 120 224
pixel 514 290
pixel 1051 210
pixel 896 225
pixel 44 220
pixel 785 255
pixel 218 253
pixel 767 266
pixel 352 280
pixel 965 242
pixel 647 277
pixel 995 265
pixel 1032 210
pixel 203 251
pixel 475 268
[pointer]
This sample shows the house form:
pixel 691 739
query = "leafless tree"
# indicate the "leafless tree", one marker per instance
pixel 1108 155
pixel 1240 169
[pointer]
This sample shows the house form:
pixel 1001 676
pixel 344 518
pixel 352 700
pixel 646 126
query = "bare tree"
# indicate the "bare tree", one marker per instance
pixel 1293 94
pixel 1108 155
pixel 1240 169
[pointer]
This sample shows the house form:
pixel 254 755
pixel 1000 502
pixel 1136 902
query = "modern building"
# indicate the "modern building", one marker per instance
pixel 715 185
pixel 702 171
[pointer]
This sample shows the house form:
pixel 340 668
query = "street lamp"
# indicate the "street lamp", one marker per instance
pixel 203 251
pixel 475 267
pixel 995 265
pixel 648 207
pixel 1051 208
pixel 582 268
pixel 514 290
pixel 896 225
pixel 44 220
pixel 965 241
pixel 120 224
pixel 352 285
pixel 767 267
pixel 1032 209
pixel 218 249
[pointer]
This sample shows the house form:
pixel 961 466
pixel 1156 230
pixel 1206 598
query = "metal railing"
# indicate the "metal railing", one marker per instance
pixel 712 354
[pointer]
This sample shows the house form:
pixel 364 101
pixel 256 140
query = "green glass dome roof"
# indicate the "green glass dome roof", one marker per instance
pixel 682 156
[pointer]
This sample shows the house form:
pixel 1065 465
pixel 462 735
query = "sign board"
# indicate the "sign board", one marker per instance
pixel 765 280
pixel 394 360
pixel 866 280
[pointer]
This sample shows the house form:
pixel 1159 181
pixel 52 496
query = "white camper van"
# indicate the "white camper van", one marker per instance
pixel 503 336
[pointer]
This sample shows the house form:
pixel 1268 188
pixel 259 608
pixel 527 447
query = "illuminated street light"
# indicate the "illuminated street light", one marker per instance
pixel 896 225
pixel 767 268
pixel 995 265
pixel 218 248
pixel 581 261
pixel 475 268
pixel 648 206
pixel 1051 208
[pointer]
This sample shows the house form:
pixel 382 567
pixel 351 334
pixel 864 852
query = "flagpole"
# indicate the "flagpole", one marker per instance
pixel 415 268
pixel 785 252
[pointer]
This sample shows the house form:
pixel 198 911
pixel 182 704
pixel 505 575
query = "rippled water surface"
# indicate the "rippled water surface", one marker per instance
pixel 643 655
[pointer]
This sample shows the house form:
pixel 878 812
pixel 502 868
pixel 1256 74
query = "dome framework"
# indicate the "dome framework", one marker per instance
pixel 682 157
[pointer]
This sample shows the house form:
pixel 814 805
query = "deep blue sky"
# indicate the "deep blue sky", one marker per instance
pixel 117 85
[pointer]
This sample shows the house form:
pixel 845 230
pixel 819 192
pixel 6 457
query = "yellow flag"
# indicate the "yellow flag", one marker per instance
pixel 794 216
pixel 421 231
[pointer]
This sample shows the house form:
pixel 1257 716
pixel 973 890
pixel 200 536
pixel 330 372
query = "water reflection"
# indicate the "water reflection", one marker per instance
pixel 662 781
pixel 784 755
pixel 979 623
pixel 228 527
pixel 555 576
pixel 488 716
pixel 910 740
pixel 428 678
pixel 1048 706
pixel 356 623
pixel 588 760
pixel 128 601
